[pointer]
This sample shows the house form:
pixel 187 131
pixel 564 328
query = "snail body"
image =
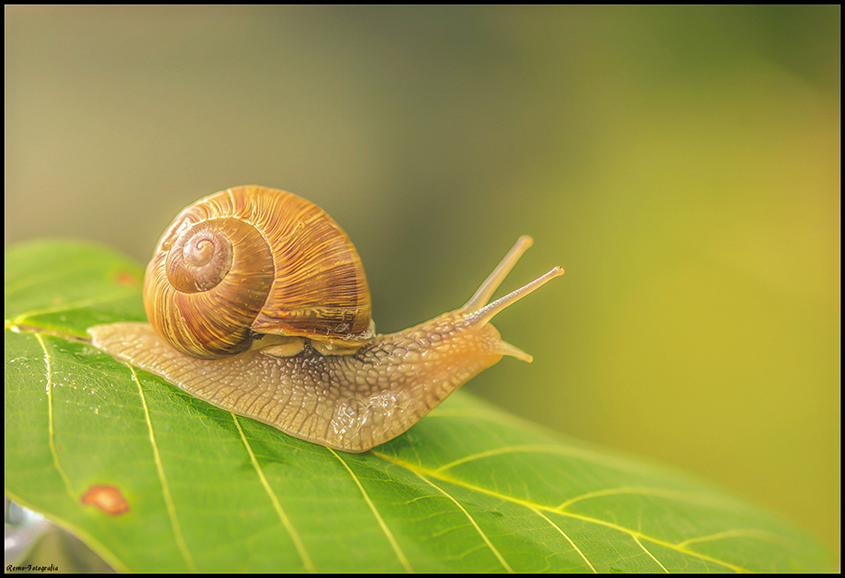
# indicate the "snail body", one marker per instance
pixel 317 370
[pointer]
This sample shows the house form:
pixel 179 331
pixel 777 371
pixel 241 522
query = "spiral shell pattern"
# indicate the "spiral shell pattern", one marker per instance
pixel 249 261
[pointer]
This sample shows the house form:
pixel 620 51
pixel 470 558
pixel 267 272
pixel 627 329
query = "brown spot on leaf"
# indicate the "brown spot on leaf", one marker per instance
pixel 127 278
pixel 108 498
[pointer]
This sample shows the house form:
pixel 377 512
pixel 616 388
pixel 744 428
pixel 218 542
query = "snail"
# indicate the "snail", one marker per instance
pixel 258 304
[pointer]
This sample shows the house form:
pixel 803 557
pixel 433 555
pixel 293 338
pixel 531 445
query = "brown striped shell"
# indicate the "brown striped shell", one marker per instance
pixel 252 261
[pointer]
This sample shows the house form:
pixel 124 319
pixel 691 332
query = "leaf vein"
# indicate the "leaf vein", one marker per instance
pixel 564 534
pixel 384 528
pixel 678 495
pixel 67 307
pixel 646 550
pixel 283 517
pixel 51 434
pixel 165 486
pixel 478 529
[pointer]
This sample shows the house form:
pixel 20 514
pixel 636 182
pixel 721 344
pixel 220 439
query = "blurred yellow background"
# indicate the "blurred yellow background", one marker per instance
pixel 681 163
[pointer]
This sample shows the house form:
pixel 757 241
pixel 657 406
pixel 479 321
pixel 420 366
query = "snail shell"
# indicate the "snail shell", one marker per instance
pixel 296 348
pixel 249 261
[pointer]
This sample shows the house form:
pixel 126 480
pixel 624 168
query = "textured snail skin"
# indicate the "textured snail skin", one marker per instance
pixel 353 400
pixel 346 402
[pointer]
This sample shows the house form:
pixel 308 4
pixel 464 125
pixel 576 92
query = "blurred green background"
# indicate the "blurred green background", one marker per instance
pixel 682 164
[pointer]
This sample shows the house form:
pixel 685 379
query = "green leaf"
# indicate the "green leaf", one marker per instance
pixel 155 480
